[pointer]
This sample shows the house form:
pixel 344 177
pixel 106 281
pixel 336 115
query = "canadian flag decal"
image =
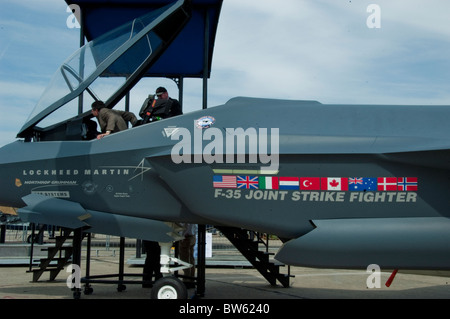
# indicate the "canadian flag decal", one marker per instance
pixel 334 183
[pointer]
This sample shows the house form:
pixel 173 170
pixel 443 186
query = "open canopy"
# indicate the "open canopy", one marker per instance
pixel 130 49
pixel 186 55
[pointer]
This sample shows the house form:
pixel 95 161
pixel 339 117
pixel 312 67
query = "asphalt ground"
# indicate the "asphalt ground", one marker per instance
pixel 230 293
pixel 230 282
pixel 241 283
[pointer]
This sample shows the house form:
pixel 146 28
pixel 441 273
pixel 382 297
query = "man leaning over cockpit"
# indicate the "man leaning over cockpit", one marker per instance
pixel 111 121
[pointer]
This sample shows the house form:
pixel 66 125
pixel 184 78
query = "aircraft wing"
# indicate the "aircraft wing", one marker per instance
pixel 53 211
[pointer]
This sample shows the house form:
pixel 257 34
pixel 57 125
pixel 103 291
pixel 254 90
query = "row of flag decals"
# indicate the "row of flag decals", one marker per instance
pixel 317 183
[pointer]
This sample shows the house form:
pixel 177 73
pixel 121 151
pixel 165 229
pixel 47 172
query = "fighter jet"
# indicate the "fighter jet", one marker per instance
pixel 344 186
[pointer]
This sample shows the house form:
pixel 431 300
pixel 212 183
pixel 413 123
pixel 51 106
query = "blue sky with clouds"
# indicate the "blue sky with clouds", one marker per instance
pixel 295 49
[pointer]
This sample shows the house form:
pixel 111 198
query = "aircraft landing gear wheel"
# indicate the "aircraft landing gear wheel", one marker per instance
pixel 168 288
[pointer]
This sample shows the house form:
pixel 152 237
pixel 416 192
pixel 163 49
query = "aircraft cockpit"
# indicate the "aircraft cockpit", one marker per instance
pixel 106 68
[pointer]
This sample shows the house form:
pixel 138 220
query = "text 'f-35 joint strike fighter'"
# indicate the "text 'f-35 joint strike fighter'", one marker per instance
pixel 344 186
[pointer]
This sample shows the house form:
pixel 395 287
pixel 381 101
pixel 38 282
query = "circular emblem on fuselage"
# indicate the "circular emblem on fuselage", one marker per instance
pixel 205 122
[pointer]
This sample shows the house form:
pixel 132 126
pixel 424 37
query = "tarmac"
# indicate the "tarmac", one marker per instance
pixel 232 283
pixel 228 277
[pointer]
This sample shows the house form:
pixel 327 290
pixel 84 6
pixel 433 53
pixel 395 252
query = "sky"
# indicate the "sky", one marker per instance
pixel 331 51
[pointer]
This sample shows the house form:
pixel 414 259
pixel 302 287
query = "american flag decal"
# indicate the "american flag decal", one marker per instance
pixel 224 181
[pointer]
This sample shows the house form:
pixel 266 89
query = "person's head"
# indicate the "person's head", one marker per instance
pixel 96 106
pixel 162 93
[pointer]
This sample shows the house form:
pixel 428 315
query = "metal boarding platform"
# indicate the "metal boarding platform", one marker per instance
pixel 229 248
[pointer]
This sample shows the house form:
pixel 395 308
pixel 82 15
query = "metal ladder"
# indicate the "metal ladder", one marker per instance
pixel 248 246
pixel 57 257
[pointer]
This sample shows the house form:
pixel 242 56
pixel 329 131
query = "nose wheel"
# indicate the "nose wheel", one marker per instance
pixel 169 288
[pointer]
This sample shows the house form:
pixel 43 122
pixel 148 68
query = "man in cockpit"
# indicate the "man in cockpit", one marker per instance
pixel 111 121
pixel 159 106
pixel 175 107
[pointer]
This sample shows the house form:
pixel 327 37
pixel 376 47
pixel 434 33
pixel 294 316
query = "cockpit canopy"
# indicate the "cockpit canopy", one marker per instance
pixel 109 65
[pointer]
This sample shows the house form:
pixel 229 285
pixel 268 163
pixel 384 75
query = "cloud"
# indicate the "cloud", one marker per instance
pixel 31 48
pixel 17 101
pixel 324 50
pixel 41 6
